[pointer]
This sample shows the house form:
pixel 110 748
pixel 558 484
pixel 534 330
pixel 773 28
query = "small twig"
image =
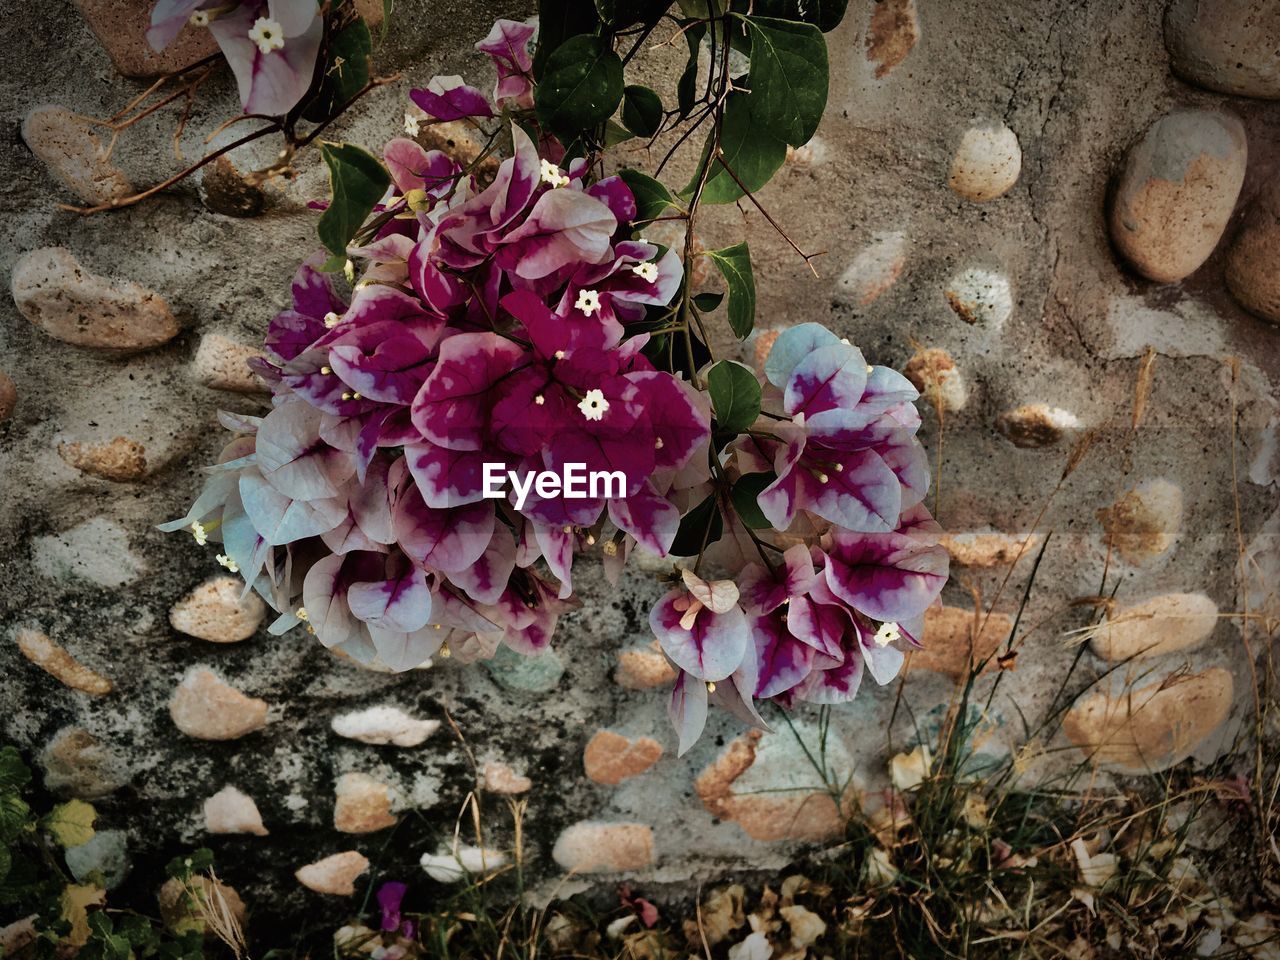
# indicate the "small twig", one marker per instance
pixel 808 257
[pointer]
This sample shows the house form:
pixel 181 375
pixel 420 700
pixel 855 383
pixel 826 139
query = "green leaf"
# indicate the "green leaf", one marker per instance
pixel 734 264
pixel 14 774
pixel 346 70
pixel 71 823
pixel 641 110
pixel 752 152
pixel 706 302
pixel 615 133
pixel 623 13
pixel 13 816
pixel 823 14
pixel 558 20
pixel 581 85
pixel 687 85
pixel 735 396
pixel 651 196
pixel 699 528
pixel 357 181
pixel 788 77
pixel 746 494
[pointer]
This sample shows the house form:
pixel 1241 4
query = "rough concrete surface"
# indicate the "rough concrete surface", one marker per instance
pixel 1060 322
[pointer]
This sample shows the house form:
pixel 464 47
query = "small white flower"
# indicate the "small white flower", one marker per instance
pixel 646 271
pixel 267 34
pixel 539 399
pixel 551 174
pixel 887 633
pixel 198 531
pixel 588 301
pixel 227 562
pixel 594 406
pixel 411 124
pixel 200 18
pixel 331 319
pixel 301 613
pixel 349 271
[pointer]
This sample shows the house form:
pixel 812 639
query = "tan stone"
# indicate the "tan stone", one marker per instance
pixel 362 804
pixel 934 373
pixel 1160 625
pixel 121 28
pixel 501 778
pixel 74 155
pixel 186 906
pixel 222 364
pixel 384 724
pixel 230 811
pixel 1253 262
pixel 78 764
pixel 1036 425
pixel 8 397
pixel 874 269
pixel 56 293
pixel 336 874
pixel 1226 45
pixel 120 459
pixel 767 785
pixel 1154 727
pixel 643 669
pixel 55 661
pixel 1145 521
pixel 1177 191
pixel 205 707
pixel 894 30
pixel 610 758
pixel 597 847
pixel 989 549
pixel 986 163
pixel 949 640
pixel 218 611
pixel 764 343
pixel 459 141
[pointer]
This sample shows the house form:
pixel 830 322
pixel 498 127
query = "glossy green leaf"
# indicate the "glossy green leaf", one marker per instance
pixel 346 71
pixel 746 498
pixel 706 302
pixel 749 150
pixel 823 14
pixel 581 85
pixel 623 13
pixel 734 264
pixel 788 77
pixel 687 85
pixel 558 20
pixel 357 181
pixel 651 196
pixel 735 396
pixel 699 528
pixel 641 110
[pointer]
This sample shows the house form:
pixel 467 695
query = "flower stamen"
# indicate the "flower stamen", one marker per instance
pixel 267 34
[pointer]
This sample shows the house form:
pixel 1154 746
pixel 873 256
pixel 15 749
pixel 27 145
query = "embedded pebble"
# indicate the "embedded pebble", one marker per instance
pixel 121 28
pixel 981 298
pixel 874 269
pixel 610 758
pixel 1176 192
pixel 1154 727
pixel 460 142
pixel 1145 521
pixel 1226 45
pixel 222 364
pixel 74 155
pixel 592 846
pixel 181 914
pixel 642 668
pixel 982 548
pixel 536 674
pixel 219 611
pixel 119 459
pixel 106 852
pixel 1036 425
pixel 97 550
pixel 206 707
pixel 767 785
pixel 1163 624
pixel 450 866
pixel 362 804
pixel 1253 262
pixel 986 163
pixel 953 644
pixel 56 293
pixel 383 725
pixel 501 778
pixel 230 811
pixel 8 397
pixel 78 764
pixel 893 31
pixel 934 373
pixel 55 661
pixel 225 190
pixel 336 874
pixel 763 343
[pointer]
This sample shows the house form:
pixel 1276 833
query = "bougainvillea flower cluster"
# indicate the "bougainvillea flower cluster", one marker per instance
pixel 504 325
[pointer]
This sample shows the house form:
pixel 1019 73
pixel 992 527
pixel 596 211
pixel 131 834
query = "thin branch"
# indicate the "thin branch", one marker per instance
pixel 808 257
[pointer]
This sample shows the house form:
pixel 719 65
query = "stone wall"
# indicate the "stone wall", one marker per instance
pixel 1056 226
